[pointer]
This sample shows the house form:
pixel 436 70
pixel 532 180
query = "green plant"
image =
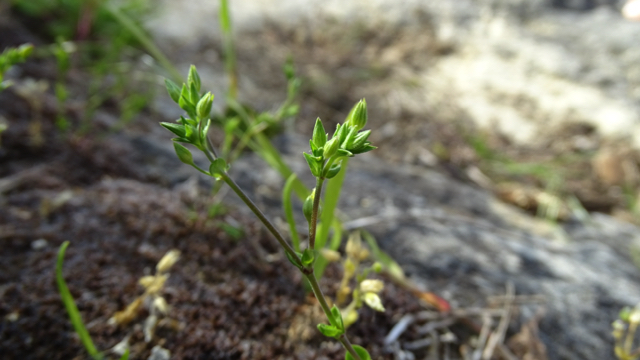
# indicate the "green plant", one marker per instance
pixel 624 331
pixel 10 57
pixel 72 310
pixel 325 161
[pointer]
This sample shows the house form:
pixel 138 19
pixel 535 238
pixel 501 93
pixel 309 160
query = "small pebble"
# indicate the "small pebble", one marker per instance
pixel 39 244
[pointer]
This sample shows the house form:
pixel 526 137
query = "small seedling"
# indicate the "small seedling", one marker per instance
pixel 324 160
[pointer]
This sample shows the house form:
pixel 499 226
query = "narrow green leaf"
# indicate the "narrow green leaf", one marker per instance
pixel 72 309
pixel 177 129
pixel 362 352
pixel 183 154
pixel 173 89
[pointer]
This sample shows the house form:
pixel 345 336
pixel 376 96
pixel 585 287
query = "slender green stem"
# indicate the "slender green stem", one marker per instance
pixel 347 345
pixel 272 229
pixel 314 214
pixel 327 311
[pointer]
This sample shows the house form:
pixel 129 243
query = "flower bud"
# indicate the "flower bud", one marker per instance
pixel 203 109
pixel 331 147
pixel 358 115
pixel 377 267
pixel 319 137
pixel 194 77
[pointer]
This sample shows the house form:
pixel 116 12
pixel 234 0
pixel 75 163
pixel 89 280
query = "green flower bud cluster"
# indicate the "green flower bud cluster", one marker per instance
pixel 347 141
pixel 193 129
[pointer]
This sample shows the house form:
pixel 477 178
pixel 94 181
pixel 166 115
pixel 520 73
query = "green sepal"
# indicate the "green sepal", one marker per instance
pixel 194 78
pixel 349 139
pixel 218 167
pixel 362 353
pixel 182 140
pixel 319 134
pixel 330 330
pixel 308 257
pixel 365 148
pixel 173 89
pixel 185 103
pixel 336 318
pixel 191 133
pixel 292 260
pixel 205 131
pixel 315 164
pixel 177 129
pixel 183 154
pixel 333 171
pixel 360 139
pixel 194 94
pixel 331 147
pixel 343 152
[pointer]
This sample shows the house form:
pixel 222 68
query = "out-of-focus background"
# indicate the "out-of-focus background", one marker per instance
pixel 506 182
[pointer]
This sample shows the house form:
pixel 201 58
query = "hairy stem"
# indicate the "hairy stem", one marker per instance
pixel 314 214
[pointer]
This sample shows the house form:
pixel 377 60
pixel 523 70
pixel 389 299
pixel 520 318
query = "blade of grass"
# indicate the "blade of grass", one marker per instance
pixel 331 197
pixel 229 49
pixel 288 211
pixel 144 40
pixel 72 309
